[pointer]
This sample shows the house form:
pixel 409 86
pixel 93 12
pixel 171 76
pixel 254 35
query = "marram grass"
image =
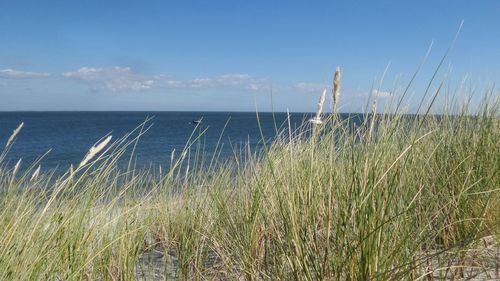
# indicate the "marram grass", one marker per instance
pixel 402 199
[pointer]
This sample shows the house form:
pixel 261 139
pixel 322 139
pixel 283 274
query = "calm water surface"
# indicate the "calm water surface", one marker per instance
pixel 69 135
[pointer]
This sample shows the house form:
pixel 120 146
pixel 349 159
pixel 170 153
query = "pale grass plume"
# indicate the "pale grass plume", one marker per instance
pixel 16 167
pixel 15 170
pixel 94 150
pixel 14 134
pixel 36 173
pixel 172 157
pixel 336 90
pixel 317 119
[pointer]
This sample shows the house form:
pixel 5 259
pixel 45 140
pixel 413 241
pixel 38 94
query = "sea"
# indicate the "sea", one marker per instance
pixel 63 138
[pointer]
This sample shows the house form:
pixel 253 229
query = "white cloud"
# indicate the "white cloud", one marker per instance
pixel 244 81
pixel 258 87
pixel 234 79
pixel 381 94
pixel 198 83
pixel 225 80
pixel 124 79
pixel 116 79
pixel 16 74
pixel 309 87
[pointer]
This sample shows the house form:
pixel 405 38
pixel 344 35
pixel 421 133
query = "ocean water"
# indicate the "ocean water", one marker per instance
pixel 69 135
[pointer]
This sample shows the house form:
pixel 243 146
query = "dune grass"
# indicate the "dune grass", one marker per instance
pixel 396 198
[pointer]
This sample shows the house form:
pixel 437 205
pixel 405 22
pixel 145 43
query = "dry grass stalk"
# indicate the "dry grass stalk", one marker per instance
pixel 14 134
pixel 94 150
pixel 336 90
pixel 374 116
pixel 400 185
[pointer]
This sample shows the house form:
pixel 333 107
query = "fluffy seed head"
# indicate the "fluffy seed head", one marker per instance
pixel 336 89
pixel 35 174
pixel 14 134
pixel 317 119
pixel 320 104
pixel 16 167
pixel 94 150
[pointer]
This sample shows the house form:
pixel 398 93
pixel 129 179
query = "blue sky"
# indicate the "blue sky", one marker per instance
pixel 225 55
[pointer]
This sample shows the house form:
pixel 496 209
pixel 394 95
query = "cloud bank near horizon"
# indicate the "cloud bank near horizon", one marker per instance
pixel 115 79
pixel 125 79
pixel 10 73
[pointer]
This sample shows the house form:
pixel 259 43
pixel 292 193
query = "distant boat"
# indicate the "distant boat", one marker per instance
pixel 196 122
pixel 316 120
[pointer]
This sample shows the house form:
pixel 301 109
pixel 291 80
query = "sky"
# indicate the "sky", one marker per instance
pixel 240 55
